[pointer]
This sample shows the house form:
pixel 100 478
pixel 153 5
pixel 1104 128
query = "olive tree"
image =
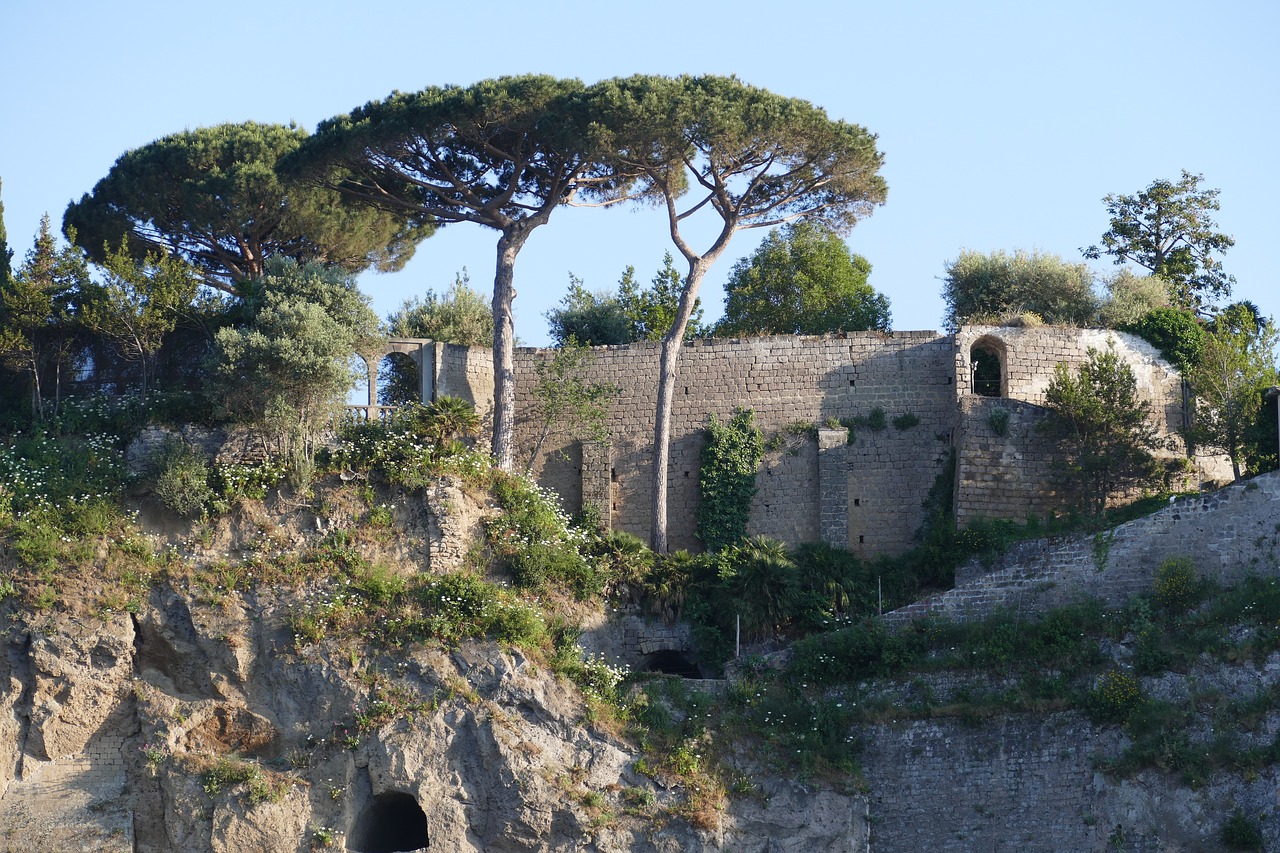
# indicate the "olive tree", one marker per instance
pixel 749 159
pixel 988 287
pixel 287 370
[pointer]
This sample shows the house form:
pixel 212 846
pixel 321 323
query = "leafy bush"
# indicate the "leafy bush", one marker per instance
pixel 906 421
pixel 533 540
pixel 1177 585
pixel 228 772
pixel 236 481
pixel 1178 334
pixel 998 418
pixel 860 651
pixel 1115 696
pixel 1240 833
pixel 182 479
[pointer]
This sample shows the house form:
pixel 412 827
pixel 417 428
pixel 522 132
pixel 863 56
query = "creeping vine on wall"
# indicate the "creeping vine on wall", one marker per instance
pixel 727 478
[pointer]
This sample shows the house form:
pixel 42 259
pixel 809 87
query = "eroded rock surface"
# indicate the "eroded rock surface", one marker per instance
pixel 192 727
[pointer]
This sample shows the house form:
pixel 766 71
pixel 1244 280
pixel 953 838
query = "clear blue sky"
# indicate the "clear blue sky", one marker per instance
pixel 1003 124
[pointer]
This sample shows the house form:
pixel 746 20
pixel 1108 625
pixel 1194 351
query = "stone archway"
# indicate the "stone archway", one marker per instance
pixel 419 352
pixel 399 380
pixel 989 367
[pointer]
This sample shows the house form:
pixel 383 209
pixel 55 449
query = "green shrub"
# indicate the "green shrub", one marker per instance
pixel 860 651
pixel 998 419
pixel 1178 334
pixel 228 772
pixel 1240 833
pixel 235 481
pixel 182 479
pixel 906 421
pixel 1177 585
pixel 1115 697
pixel 380 585
pixel 534 541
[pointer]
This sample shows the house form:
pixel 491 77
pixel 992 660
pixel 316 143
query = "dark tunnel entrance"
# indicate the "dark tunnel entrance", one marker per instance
pixel 670 662
pixel 392 823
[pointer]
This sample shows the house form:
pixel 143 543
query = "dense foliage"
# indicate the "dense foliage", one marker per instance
pixel 288 369
pixel 214 196
pixel 629 314
pixel 730 460
pixel 802 280
pixel 1236 366
pixel 1103 427
pixel 1168 229
pixel 992 288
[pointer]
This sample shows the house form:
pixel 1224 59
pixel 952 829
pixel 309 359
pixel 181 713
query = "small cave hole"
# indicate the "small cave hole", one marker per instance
pixel 671 662
pixel 392 823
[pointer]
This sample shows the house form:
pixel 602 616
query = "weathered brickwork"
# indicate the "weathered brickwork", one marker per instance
pixel 865 493
pixel 785 380
pixel 1019 473
pixel 466 372
pixel 1228 534
pixel 1028 784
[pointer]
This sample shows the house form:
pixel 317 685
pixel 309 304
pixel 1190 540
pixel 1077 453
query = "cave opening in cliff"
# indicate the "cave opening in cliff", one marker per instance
pixel 671 662
pixel 392 823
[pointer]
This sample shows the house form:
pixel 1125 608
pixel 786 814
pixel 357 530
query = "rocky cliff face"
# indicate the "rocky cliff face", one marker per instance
pixel 199 727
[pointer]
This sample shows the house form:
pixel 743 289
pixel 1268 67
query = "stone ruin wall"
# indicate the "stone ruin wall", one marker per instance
pixel 1019 473
pixel 466 372
pixel 1228 534
pixel 881 478
pixel 865 495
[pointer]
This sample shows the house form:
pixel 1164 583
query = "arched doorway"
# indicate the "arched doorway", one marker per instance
pixel 392 823
pixel 987 359
pixel 399 380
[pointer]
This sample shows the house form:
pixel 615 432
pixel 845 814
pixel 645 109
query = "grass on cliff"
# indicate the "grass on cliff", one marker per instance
pixel 72 544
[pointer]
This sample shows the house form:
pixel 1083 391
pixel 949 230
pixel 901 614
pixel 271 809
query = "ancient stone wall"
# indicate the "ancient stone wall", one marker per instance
pixel 864 493
pixel 1228 534
pixel 466 372
pixel 1028 784
pixel 787 381
pixel 1017 473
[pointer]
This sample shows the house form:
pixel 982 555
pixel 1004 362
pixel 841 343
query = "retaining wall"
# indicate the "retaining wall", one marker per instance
pixel 1229 534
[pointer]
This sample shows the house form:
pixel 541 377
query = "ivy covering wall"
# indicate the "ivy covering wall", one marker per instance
pixel 727 478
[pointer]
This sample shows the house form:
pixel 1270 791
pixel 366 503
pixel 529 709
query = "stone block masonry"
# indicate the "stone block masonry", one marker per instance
pixel 1229 534
pixel 865 492
pixel 787 381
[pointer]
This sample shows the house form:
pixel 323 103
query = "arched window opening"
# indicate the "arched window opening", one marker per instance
pixel 358 393
pixel 399 381
pixel 670 662
pixel 986 360
pixel 392 823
